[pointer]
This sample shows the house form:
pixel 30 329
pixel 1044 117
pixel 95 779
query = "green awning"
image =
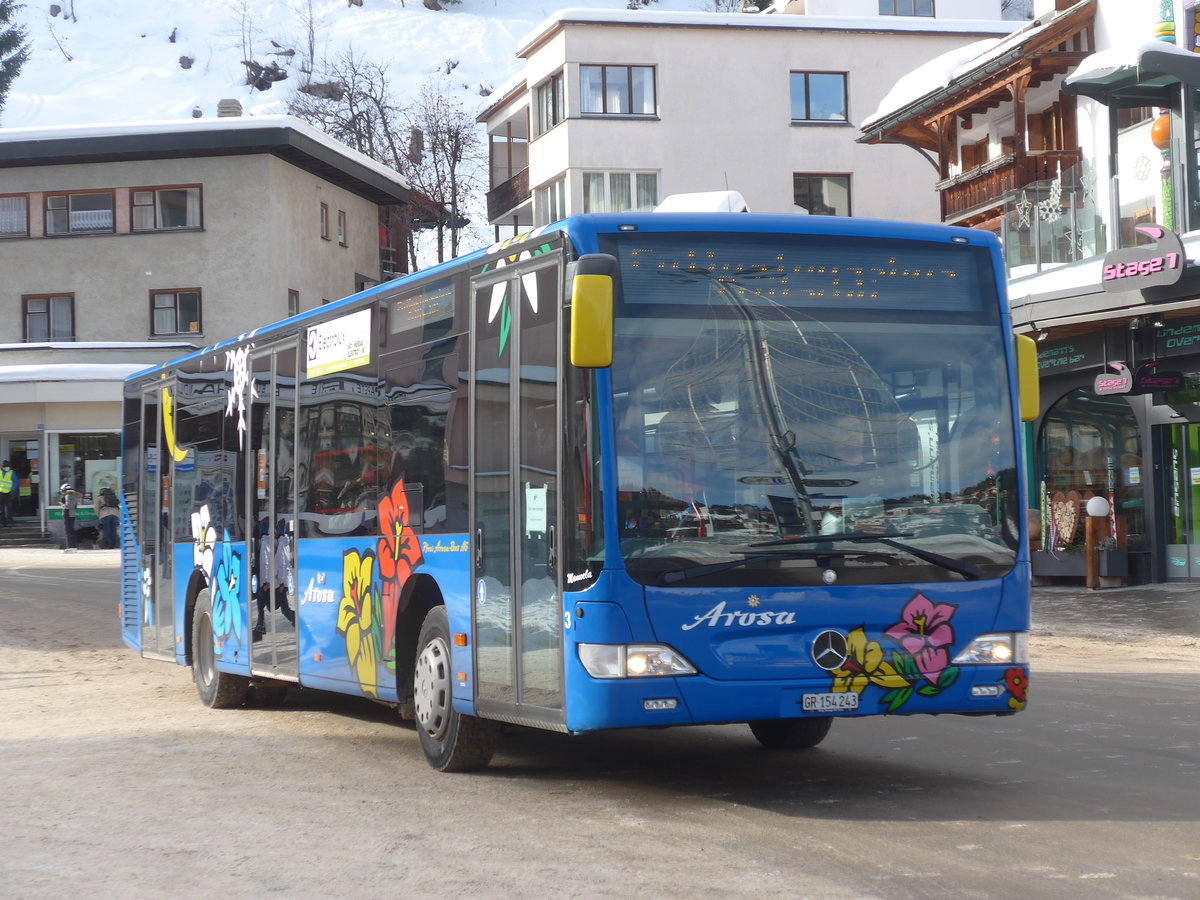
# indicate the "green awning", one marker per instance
pixel 1134 76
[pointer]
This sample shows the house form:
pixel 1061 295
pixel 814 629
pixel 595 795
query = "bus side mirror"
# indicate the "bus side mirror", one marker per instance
pixel 1028 390
pixel 592 288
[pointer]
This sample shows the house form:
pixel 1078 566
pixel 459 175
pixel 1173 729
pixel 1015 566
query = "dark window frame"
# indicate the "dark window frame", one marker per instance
pixel 847 176
pixel 69 196
pixel 175 293
pixel 604 82
pixel 806 74
pixel 48 313
pixel 134 206
pixel 6 235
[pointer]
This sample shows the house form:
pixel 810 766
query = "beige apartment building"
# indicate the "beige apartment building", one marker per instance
pixel 122 246
pixel 617 110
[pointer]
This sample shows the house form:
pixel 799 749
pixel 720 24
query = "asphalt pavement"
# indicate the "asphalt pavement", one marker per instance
pixel 1147 609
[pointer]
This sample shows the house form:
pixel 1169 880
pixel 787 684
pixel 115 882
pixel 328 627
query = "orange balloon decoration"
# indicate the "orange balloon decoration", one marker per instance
pixel 1160 132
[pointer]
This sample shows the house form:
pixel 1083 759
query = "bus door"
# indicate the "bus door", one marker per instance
pixel 517 608
pixel 154 526
pixel 270 560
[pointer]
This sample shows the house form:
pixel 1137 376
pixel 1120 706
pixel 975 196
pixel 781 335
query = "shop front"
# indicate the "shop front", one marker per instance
pixel 1121 421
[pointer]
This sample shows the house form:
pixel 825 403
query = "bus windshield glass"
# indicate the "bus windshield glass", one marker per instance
pixel 795 410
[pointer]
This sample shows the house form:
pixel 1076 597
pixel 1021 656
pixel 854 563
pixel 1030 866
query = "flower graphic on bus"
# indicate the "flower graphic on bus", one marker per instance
pixel 204 536
pixel 147 596
pixel 865 665
pixel 228 615
pixel 398 553
pixel 1017 682
pixel 920 666
pixel 924 633
pixel 358 617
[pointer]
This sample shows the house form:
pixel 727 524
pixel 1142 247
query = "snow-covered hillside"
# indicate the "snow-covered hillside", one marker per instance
pixel 101 61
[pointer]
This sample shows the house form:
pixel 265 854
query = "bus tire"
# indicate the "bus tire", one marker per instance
pixel 217 690
pixel 267 694
pixel 791 734
pixel 451 741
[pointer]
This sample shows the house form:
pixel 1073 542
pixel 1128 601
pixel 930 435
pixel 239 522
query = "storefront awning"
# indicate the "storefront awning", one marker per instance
pixel 1133 76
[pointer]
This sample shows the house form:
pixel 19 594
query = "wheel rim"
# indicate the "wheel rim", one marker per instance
pixel 205 660
pixel 431 688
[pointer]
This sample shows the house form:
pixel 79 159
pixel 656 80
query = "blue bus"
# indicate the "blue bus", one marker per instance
pixel 626 470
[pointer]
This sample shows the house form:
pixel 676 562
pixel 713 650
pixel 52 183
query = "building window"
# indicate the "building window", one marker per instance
pixel 342 228
pixel 175 312
pixel 164 209
pixel 821 195
pixel 49 317
pixel 617 90
pixel 293 303
pixel 619 191
pixel 79 213
pixel 324 221
pixel 906 7
pixel 14 216
pixel 552 202
pixel 819 97
pixel 551 108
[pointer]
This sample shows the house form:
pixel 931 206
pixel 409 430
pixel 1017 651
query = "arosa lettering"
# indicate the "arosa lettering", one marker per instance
pixel 1150 265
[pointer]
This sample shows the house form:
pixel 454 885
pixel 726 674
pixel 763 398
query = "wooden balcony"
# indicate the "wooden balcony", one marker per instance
pixel 978 192
pixel 508 195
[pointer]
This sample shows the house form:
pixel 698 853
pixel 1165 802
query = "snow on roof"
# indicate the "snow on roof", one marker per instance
pixel 69 372
pixel 226 123
pixel 704 201
pixel 1125 57
pixel 931 76
pixel 886 24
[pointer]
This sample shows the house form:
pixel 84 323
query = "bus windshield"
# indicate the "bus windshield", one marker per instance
pixel 795 410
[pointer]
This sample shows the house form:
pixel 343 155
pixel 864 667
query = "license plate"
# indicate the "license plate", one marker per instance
pixel 843 702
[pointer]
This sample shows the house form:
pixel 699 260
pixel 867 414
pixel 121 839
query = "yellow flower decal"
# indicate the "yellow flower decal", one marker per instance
pixel 355 618
pixel 864 665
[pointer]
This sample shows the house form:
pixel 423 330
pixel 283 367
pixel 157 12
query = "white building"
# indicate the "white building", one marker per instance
pixel 618 110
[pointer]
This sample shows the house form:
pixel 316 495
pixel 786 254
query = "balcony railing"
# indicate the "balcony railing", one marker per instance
pixel 508 195
pixel 1053 221
pixel 992 183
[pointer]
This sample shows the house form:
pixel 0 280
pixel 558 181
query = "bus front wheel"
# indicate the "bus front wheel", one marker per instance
pixel 451 741
pixel 218 690
pixel 791 734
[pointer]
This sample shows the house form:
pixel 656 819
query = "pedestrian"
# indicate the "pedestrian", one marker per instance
pixel 108 511
pixel 8 493
pixel 69 498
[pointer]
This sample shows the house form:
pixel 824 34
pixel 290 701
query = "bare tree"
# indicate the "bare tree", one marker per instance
pixel 448 169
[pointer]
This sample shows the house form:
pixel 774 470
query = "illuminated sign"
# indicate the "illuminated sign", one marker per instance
pixel 434 303
pixel 1148 381
pixel 1120 382
pixel 1150 265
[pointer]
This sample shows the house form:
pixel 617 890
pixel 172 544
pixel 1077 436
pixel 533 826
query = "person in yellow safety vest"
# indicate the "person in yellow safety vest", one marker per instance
pixel 8 493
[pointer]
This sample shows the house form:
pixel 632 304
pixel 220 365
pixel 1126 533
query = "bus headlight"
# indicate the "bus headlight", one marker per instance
pixel 1003 648
pixel 633 660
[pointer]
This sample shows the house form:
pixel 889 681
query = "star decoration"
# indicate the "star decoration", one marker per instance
pixel 752 601
pixel 1024 205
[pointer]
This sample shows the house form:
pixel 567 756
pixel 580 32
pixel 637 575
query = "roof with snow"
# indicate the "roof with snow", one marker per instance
pixel 1140 74
pixel 286 137
pixel 875 24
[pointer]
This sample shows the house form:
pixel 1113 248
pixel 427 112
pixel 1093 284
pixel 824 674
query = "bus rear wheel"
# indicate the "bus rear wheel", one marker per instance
pixel 451 741
pixel 791 734
pixel 217 690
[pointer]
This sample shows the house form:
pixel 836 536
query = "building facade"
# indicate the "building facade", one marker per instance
pixel 1076 141
pixel 123 246
pixel 617 110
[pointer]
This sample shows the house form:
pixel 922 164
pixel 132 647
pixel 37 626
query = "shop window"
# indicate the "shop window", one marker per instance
pixel 1091 446
pixel 88 461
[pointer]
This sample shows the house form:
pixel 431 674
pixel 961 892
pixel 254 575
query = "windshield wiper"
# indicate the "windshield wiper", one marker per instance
pixel 965 569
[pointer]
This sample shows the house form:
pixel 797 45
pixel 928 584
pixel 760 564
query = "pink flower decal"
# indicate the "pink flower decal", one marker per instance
pixel 925 634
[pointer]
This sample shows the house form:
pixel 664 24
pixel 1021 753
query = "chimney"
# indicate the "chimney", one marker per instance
pixel 228 109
